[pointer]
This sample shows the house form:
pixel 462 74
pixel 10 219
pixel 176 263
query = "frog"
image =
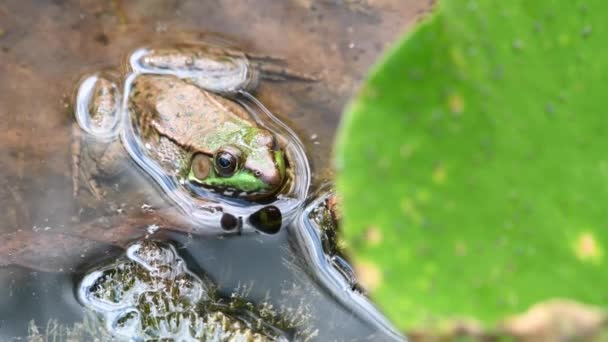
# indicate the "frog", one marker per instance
pixel 205 138
pixel 181 103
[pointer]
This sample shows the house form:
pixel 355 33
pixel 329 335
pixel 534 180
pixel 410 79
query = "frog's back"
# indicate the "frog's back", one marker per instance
pixel 187 114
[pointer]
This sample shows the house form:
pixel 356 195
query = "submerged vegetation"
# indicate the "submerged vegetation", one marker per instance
pixel 150 294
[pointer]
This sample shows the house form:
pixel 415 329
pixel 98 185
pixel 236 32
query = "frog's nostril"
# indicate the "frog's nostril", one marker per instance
pixel 257 173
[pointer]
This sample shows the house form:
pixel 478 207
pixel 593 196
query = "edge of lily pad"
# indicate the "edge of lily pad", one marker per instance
pixel 353 110
pixel 387 56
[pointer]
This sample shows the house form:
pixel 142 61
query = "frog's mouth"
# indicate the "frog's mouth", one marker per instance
pixel 260 196
pixel 244 184
pixel 262 193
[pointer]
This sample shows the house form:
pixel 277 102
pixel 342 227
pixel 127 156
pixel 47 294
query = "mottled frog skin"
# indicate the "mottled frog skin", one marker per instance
pixel 181 103
pixel 205 138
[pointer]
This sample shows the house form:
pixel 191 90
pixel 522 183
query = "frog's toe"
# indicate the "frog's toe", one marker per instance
pixel 277 72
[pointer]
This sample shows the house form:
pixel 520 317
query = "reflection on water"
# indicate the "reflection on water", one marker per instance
pixel 264 271
pixel 51 239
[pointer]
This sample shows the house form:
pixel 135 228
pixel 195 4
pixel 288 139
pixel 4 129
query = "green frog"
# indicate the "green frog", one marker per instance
pixel 180 102
pixel 205 138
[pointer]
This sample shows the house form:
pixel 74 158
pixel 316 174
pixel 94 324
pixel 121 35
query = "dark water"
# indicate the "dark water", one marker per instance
pixel 49 238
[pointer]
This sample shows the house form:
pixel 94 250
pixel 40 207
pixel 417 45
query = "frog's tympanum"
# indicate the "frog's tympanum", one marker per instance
pixel 186 117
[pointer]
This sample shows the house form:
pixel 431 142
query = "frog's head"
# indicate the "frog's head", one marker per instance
pixel 249 165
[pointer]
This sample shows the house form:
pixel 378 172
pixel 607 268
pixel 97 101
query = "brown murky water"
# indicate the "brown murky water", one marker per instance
pixel 45 46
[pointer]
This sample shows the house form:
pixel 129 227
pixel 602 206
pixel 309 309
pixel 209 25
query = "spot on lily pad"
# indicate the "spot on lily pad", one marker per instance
pixel 369 275
pixel 460 248
pixel 411 211
pixel 439 174
pixel 373 236
pixel 406 150
pixel 456 103
pixel 587 248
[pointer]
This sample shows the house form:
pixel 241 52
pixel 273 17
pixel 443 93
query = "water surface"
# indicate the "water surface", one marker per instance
pixel 50 239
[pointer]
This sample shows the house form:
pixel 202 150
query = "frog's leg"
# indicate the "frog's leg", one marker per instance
pixel 223 71
pixel 79 171
pixel 94 160
pixel 278 72
pixel 94 144
pixel 253 70
pixel 75 149
pixel 273 68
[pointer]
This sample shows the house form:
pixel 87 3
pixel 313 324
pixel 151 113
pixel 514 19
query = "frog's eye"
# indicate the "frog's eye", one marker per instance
pixel 200 166
pixel 226 162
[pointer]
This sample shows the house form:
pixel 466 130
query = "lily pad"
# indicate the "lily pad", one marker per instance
pixel 473 163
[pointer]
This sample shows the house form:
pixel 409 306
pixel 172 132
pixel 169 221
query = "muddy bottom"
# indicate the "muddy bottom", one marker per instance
pixel 51 238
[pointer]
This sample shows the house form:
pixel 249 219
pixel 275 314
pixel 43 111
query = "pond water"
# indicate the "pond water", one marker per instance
pixel 52 239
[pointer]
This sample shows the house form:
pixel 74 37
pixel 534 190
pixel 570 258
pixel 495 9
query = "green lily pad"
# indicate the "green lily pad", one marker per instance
pixel 473 164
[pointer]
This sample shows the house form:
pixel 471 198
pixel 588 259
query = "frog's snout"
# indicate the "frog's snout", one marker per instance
pixel 275 176
pixel 272 174
pixel 272 179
